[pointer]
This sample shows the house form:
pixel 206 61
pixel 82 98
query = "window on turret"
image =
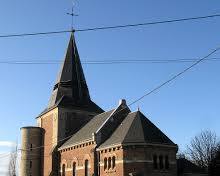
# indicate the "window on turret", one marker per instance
pixel 63 169
pixel 167 164
pixel 105 163
pixel 86 167
pixel 161 161
pixel 155 161
pixel 109 162
pixel 31 147
pixel 113 162
pixel 74 169
pixel 30 164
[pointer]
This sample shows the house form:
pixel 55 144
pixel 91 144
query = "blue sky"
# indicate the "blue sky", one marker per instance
pixel 181 109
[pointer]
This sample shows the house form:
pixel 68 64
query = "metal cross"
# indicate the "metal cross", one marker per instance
pixel 72 14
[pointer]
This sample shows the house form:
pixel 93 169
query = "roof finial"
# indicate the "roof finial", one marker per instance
pixel 72 14
pixel 138 109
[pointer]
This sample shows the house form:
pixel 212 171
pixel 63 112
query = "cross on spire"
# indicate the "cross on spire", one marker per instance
pixel 72 14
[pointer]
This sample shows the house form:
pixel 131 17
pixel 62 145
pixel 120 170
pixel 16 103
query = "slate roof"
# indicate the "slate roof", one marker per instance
pixel 85 133
pixel 71 80
pixel 136 128
pixel 70 90
pixel 67 102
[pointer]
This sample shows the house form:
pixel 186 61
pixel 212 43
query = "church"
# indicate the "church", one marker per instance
pixel 75 137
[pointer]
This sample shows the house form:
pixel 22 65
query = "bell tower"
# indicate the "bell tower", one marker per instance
pixel 69 109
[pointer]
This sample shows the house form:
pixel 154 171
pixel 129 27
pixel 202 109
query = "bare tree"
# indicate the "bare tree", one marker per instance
pixel 203 148
pixel 12 163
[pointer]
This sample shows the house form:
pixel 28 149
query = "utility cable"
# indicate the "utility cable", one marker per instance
pixel 148 23
pixel 105 62
pixel 112 27
pixel 148 93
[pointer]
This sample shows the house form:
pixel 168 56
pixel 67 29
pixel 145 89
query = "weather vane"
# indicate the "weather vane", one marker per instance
pixel 72 14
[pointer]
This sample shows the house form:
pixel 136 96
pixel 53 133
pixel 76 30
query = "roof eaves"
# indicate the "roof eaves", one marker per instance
pixel 138 144
pixel 74 144
pixel 51 108
pixel 108 146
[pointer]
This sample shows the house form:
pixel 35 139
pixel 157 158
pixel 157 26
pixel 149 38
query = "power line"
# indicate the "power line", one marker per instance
pixel 146 94
pixel 148 23
pixel 34 34
pixel 106 62
pixel 112 27
pixel 175 76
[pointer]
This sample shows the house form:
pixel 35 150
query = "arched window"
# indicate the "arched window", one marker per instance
pixel 63 169
pixel 155 161
pixel 161 161
pixel 105 163
pixel 86 167
pixel 30 164
pixel 109 162
pixel 167 164
pixel 113 162
pixel 74 169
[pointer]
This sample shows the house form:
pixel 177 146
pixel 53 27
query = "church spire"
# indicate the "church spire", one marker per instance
pixel 71 80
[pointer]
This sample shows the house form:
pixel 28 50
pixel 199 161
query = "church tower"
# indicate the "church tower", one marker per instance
pixel 68 110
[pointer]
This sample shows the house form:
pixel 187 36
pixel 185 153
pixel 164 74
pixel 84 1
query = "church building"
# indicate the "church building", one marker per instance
pixel 75 137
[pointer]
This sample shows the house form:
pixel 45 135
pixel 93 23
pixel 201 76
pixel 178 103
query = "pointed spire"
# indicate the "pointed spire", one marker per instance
pixel 71 80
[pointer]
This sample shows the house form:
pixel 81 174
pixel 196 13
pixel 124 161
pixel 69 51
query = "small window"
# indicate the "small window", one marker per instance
pixel 74 169
pixel 30 164
pixel 105 163
pixel 109 162
pixel 167 164
pixel 161 161
pixel 31 147
pixel 113 162
pixel 86 167
pixel 63 169
pixel 155 161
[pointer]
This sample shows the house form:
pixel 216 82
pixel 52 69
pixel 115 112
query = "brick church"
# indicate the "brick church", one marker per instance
pixel 75 137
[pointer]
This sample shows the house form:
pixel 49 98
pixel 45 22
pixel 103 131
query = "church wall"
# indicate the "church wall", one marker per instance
pixel 78 154
pixel 105 169
pixel 49 123
pixel 71 120
pixel 30 152
pixel 139 159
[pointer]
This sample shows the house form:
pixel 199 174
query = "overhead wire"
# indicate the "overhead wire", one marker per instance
pixel 148 23
pixel 105 62
pixel 118 27
pixel 146 94
pixel 175 76
pixel 111 27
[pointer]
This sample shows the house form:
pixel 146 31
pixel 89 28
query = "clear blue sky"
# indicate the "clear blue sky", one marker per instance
pixel 181 109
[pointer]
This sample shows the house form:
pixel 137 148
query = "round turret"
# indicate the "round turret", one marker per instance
pixel 31 140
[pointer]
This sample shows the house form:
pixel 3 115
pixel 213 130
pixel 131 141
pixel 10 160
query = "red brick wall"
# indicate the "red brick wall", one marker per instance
pixel 137 159
pixel 47 125
pixel 116 152
pixel 78 155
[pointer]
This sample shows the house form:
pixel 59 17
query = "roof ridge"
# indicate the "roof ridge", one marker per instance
pixel 154 126
pixel 133 121
pixel 106 120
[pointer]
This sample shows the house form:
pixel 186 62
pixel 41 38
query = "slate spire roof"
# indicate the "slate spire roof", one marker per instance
pixel 71 80
pixel 70 88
